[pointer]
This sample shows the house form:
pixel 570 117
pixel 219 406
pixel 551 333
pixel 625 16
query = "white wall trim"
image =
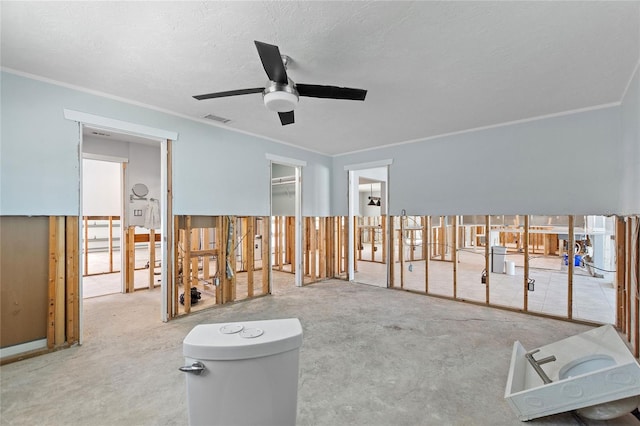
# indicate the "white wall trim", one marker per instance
pixel 23 348
pixel 119 125
pixel 285 160
pixel 369 165
pixel 100 157
pixel 491 126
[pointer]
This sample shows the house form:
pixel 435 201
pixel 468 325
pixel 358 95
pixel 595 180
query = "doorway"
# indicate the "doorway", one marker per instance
pixel 286 224
pixel 369 235
pixel 101 223
pixel 121 227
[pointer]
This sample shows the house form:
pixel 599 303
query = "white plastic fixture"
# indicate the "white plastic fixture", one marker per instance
pixel 243 373
pixel 593 373
pixel 280 101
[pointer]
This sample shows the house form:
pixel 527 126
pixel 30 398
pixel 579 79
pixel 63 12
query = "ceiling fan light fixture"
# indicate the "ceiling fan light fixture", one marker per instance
pixel 280 98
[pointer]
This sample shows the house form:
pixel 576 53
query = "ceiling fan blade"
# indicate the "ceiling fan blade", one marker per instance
pixel 229 93
pixel 272 62
pixel 331 92
pixel 286 117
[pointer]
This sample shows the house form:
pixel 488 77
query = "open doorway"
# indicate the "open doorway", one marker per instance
pixel 102 204
pixel 121 187
pixel 286 222
pixel 368 214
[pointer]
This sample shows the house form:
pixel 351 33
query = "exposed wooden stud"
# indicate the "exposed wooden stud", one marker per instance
pixel 623 273
pixel 60 289
pixel 392 260
pixel 72 281
pixel 51 288
pixel 487 257
pixel 526 263
pixel 250 239
pixel 357 243
pixel 344 258
pixel 206 259
pixel 232 258
pixel 401 250
pixel 173 277
pixel 110 244
pixel 195 260
pixel 426 249
pixel 571 254
pixel 186 265
pixel 312 248
pixel 383 226
pixel 322 260
pixel 441 239
pixel 266 253
pixel 170 256
pixel 454 255
pixel 152 258
pixel 635 261
pixel 86 245
pixel 305 248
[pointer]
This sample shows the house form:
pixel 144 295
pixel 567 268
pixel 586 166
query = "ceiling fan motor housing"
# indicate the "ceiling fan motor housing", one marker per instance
pixel 280 97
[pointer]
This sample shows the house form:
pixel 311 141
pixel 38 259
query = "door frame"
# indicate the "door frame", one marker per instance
pixel 298 257
pixel 353 197
pixel 165 138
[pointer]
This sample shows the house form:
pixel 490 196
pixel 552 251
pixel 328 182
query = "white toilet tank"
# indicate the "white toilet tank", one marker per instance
pixel 243 373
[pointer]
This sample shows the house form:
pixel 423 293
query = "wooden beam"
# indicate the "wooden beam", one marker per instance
pixel 442 232
pixel 232 257
pixel 86 245
pixel 250 252
pixel 72 281
pixel 383 223
pixel 206 258
pixel 426 249
pixel 152 258
pixel 392 260
pixel 173 269
pixel 51 288
pixel 401 250
pixel 635 260
pixel 623 271
pixel 454 255
pixel 186 264
pixel 266 253
pixel 322 259
pixel 312 249
pixel 171 254
pixel 344 226
pixel 571 254
pixel 487 257
pixel 110 244
pixel 526 263
pixel 60 282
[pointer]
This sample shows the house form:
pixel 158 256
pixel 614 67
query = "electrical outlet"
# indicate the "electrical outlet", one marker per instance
pixel 137 212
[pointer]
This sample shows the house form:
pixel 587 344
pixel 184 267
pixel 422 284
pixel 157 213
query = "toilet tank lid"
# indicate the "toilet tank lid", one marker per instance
pixel 242 339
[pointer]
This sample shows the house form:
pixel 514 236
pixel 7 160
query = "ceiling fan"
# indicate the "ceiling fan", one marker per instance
pixel 281 93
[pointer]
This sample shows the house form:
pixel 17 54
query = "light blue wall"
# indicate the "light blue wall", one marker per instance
pixel 215 171
pixel 561 165
pixel 630 190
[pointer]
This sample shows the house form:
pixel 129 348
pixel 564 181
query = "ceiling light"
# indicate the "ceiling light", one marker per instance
pixel 371 203
pixel 378 203
pixel 280 97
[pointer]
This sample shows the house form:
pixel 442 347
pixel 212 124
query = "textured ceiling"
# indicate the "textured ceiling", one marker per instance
pixel 431 68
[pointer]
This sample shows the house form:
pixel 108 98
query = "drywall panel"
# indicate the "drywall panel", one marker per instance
pixel 24 262
pixel 216 171
pixel 101 188
pixel 630 155
pixel 560 165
